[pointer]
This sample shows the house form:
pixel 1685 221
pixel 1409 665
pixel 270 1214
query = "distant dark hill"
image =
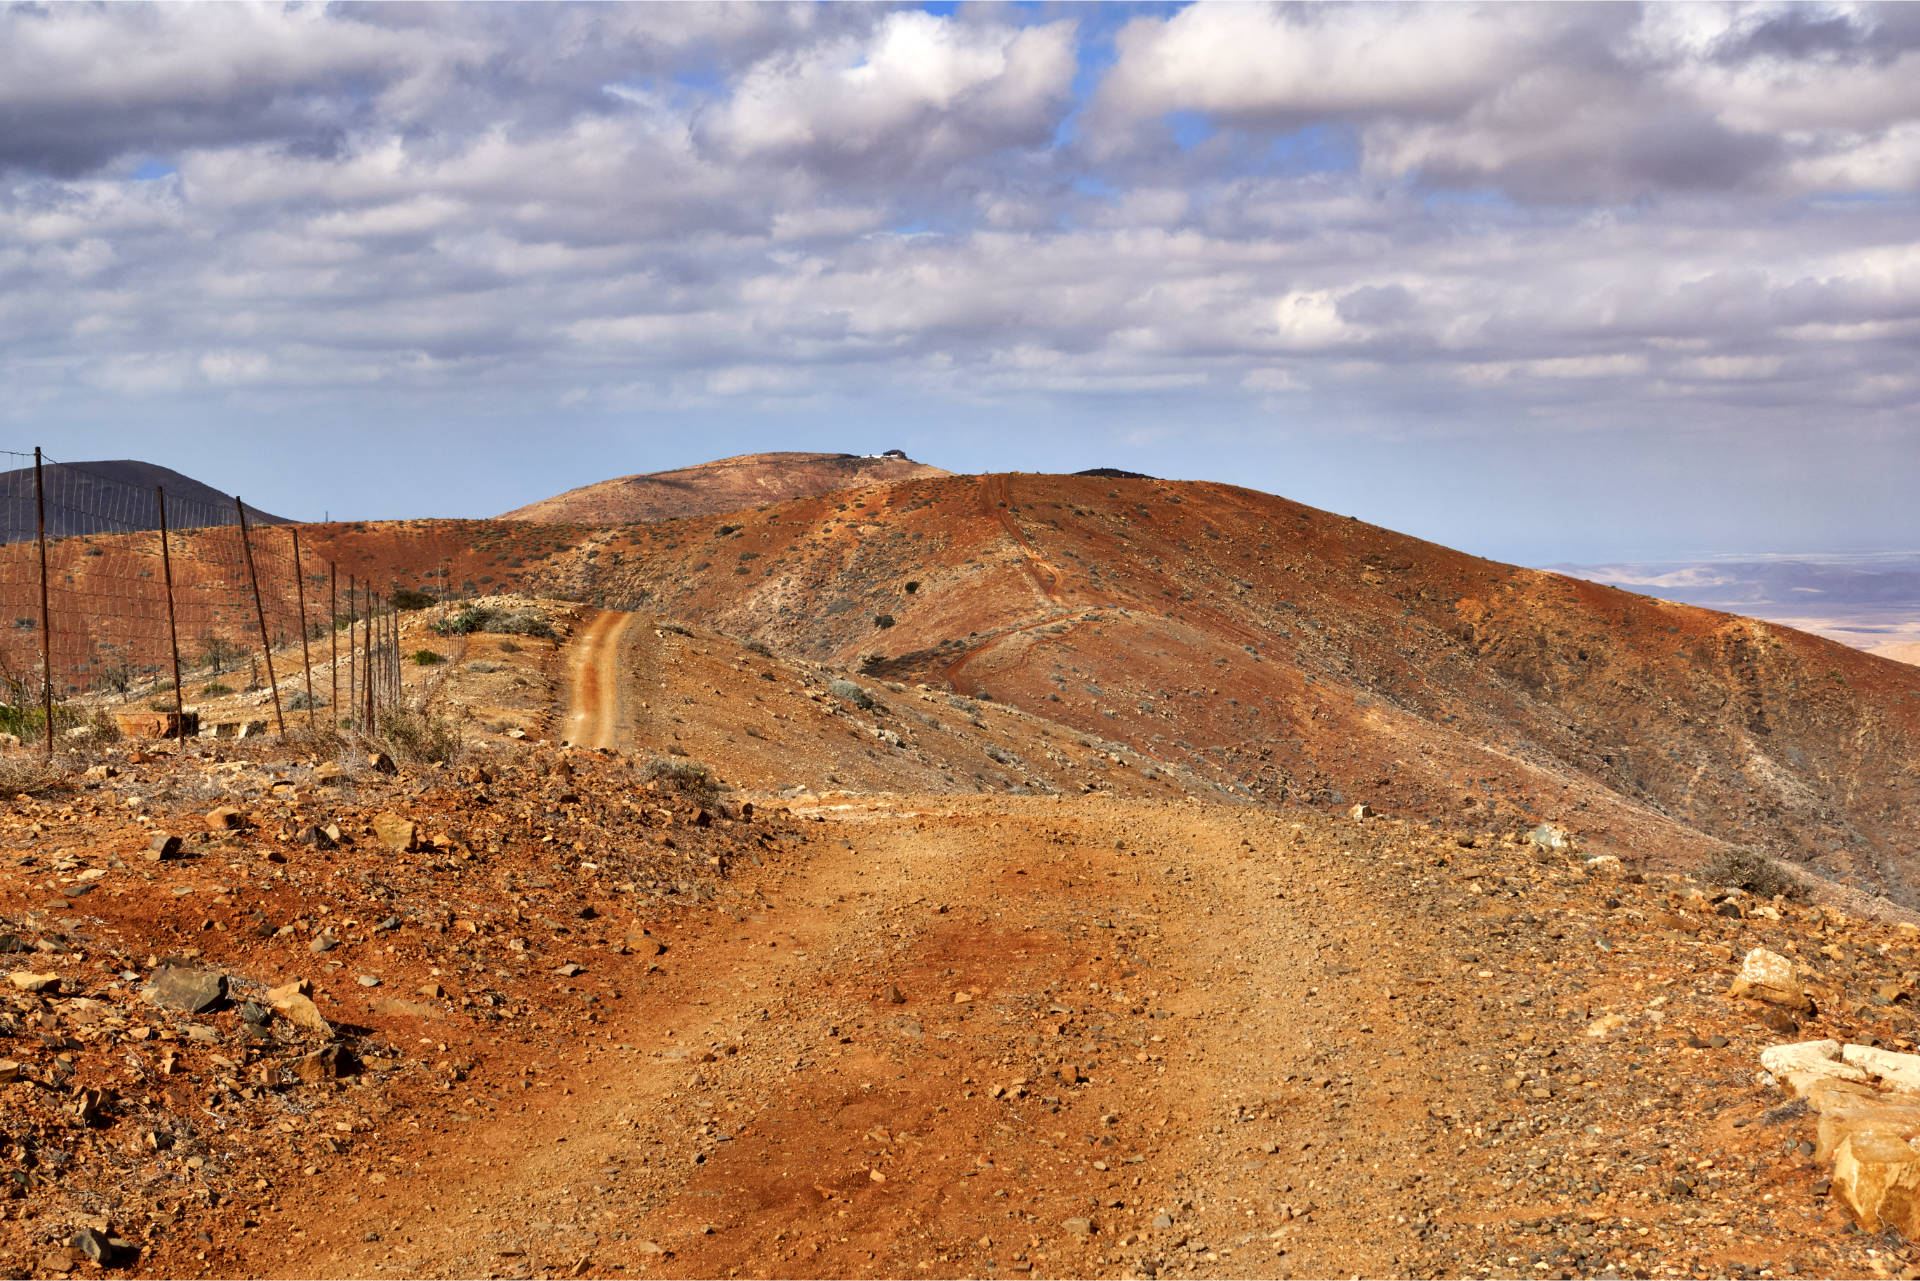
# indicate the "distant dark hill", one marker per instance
pixel 113 496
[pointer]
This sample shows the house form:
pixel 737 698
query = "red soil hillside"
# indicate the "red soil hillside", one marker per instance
pixel 727 484
pixel 1304 655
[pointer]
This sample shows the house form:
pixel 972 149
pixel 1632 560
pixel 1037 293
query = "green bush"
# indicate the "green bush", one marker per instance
pixel 488 618
pixel 215 690
pixel 427 657
pixel 409 598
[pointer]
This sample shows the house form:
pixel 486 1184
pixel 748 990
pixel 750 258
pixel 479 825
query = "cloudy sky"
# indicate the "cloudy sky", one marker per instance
pixel 1546 282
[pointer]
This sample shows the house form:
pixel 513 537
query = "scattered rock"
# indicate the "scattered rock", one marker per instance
pixel 1768 976
pixel 28 981
pixel 195 991
pixel 225 818
pixel 163 846
pixel 396 833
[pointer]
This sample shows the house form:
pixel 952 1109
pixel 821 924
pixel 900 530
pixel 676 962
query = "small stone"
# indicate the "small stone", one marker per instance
pixel 315 835
pixel 644 944
pixel 1070 1074
pixel 92 1244
pixel 293 1000
pixel 28 981
pixel 381 763
pixel 1078 1227
pixel 1769 977
pixel 1358 812
pixel 9 1071
pixel 433 990
pixel 255 1013
pixel 962 998
pixel 163 846
pixel 328 774
pixel 225 819
pixel 322 943
pixel 324 1064
pixel 894 996
pixel 369 980
pixel 195 991
pixel 648 1247
pixel 396 833
pixel 570 970
pixel 1162 1221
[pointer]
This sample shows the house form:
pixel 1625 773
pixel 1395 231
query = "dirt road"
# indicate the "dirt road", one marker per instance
pixel 593 684
pixel 932 1049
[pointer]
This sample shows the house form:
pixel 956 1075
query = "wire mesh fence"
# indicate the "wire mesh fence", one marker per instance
pixel 128 604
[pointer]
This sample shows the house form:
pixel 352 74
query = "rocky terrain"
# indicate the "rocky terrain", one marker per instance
pixel 726 484
pixel 763 992
pixel 1133 879
pixel 1297 655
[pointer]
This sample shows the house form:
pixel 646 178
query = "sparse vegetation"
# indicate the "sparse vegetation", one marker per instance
pixel 28 773
pixel 491 618
pixel 215 690
pixel 684 775
pixel 1753 871
pixel 411 598
pixel 427 657
pixel 420 736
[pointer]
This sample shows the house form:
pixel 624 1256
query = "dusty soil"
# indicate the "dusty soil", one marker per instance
pixel 593 682
pixel 911 1024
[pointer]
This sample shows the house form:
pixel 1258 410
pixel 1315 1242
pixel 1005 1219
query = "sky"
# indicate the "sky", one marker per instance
pixel 1545 282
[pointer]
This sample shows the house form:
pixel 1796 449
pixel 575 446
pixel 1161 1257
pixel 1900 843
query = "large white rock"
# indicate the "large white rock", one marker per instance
pixel 1800 1056
pixel 1900 1071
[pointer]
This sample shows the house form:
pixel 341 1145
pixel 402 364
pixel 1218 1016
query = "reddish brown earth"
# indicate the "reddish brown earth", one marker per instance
pixel 1281 651
pixel 1293 654
pixel 1126 1023
pixel 724 485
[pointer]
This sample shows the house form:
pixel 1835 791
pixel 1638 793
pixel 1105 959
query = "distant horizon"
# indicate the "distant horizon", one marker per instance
pixel 1682 556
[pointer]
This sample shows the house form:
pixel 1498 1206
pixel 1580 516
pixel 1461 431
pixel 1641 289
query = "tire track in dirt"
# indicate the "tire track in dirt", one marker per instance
pixel 1086 992
pixel 593 682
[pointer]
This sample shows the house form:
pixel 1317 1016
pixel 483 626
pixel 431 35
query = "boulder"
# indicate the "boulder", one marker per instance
pixel 1901 1071
pixel 1769 976
pixel 1844 1112
pixel 1876 1175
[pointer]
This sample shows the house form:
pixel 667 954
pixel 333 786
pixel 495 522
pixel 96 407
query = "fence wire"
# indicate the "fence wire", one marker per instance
pixel 87 616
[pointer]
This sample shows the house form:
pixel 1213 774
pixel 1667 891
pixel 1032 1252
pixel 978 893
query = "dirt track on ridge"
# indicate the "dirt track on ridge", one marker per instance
pixel 593 682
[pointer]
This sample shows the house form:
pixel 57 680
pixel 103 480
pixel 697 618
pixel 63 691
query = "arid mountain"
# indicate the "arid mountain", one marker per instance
pixel 727 484
pixel 1302 655
pixel 92 498
pixel 1285 652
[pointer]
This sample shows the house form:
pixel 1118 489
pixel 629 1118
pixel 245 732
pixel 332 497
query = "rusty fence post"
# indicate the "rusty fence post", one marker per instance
pixel 46 626
pixel 300 593
pixel 333 641
pixel 173 623
pixel 260 612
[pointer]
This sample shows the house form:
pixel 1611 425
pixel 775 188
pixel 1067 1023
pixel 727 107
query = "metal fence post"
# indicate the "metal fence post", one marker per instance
pixel 300 592
pixel 46 626
pixel 260 611
pixel 173 624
